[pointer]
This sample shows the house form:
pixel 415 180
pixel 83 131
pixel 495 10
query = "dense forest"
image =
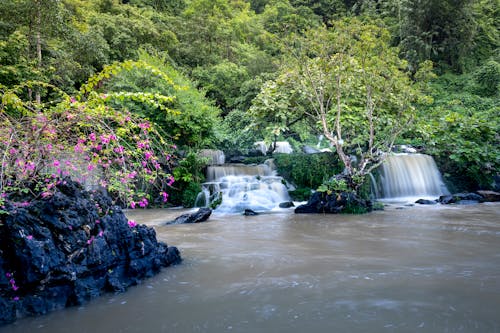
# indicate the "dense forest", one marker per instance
pixel 137 87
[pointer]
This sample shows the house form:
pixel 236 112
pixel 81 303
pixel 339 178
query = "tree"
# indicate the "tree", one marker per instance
pixel 357 89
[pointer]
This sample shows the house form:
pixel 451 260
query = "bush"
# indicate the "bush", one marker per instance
pixel 307 170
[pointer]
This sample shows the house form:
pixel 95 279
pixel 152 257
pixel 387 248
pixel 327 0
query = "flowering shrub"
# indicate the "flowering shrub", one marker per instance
pixel 86 139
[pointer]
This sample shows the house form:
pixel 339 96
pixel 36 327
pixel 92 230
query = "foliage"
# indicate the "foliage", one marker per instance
pixel 180 110
pixel 461 130
pixel 307 170
pixel 87 140
pixel 189 174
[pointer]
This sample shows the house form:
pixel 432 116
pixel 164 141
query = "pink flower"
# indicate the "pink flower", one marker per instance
pixel 101 233
pixel 72 100
pixel 30 166
pixel 144 125
pixel 30 237
pixel 90 167
pixel 164 196
pixel 132 175
pixel 56 163
pixel 15 298
pixel 92 136
pixel 12 151
pixel 132 223
pixel 46 194
pixel 132 204
pixel 119 149
pixel 97 221
pixel 90 240
pixel 78 148
pixel 143 203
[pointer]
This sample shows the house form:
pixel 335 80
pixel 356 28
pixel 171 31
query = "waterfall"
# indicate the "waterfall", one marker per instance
pixel 214 157
pixel 255 187
pixel 410 175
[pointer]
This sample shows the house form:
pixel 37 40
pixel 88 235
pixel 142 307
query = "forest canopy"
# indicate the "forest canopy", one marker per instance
pixel 226 73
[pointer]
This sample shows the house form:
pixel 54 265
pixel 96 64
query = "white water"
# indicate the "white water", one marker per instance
pixel 255 187
pixel 214 157
pixel 410 176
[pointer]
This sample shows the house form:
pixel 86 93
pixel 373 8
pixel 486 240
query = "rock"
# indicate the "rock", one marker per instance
pixel 237 159
pixel 457 197
pixel 70 248
pixel 321 202
pixel 310 150
pixel 426 202
pixel 489 196
pixel 467 202
pixel 199 216
pixel 249 212
pixel 287 204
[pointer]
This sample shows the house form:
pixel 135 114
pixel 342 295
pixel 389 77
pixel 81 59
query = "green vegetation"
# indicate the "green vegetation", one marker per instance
pixel 224 74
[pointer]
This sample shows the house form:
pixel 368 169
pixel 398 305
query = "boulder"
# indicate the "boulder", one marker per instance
pixel 69 248
pixel 199 216
pixel 426 202
pixel 310 150
pixel 489 196
pixel 249 212
pixel 334 203
pixel 287 204
pixel 457 197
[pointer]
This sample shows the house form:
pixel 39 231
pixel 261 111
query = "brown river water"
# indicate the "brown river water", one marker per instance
pixel 405 269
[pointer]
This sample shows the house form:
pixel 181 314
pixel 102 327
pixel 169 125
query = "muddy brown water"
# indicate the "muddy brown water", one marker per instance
pixel 405 269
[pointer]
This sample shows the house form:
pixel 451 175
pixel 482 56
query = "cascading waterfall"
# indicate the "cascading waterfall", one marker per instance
pixel 255 187
pixel 410 175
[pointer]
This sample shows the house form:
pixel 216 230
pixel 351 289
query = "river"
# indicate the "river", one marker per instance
pixel 405 269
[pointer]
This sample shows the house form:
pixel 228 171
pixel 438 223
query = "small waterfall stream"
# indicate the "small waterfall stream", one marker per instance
pixel 240 186
pixel 410 175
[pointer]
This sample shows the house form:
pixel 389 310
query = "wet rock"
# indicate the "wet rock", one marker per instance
pixel 426 202
pixel 249 212
pixel 489 196
pixel 199 216
pixel 70 248
pixel 457 197
pixel 334 203
pixel 287 204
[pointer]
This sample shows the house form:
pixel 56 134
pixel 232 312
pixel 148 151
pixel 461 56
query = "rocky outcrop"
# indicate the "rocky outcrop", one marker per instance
pixel 322 202
pixel 489 196
pixel 199 216
pixel 70 248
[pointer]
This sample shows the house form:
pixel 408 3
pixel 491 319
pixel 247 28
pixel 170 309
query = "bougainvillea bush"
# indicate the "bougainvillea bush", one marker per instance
pixel 85 138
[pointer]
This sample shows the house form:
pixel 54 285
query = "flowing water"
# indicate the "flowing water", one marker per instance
pixel 241 186
pixel 405 269
pixel 410 176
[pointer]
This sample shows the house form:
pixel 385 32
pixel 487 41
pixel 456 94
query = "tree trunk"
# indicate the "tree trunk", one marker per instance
pixel 38 44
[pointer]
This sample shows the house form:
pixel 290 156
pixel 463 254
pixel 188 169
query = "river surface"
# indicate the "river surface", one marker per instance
pixel 405 269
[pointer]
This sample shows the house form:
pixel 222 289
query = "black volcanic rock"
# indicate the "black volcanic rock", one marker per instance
pixel 201 215
pixel 70 248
